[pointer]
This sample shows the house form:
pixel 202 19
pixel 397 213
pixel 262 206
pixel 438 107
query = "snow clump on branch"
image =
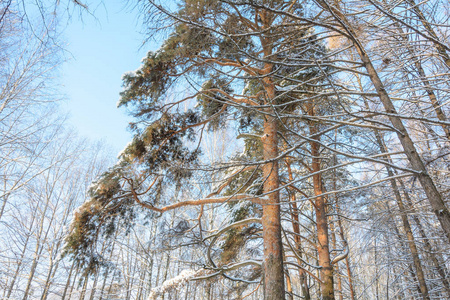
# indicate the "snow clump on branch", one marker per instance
pixel 174 283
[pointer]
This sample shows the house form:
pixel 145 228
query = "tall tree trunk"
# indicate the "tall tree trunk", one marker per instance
pixel 73 282
pixel 341 235
pixel 84 288
pixel 108 269
pixel 94 287
pixel 336 266
pixel 48 282
pixel 403 245
pixel 425 82
pixel 323 247
pixel 296 229
pixel 273 249
pixel 271 219
pixel 411 242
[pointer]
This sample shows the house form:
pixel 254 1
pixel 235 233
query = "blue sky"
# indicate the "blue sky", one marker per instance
pixel 101 48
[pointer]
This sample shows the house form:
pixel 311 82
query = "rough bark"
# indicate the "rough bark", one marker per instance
pixel 296 230
pixel 323 248
pixel 273 250
pixel 271 219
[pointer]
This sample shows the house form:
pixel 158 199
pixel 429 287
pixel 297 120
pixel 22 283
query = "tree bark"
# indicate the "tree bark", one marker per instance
pixel 271 222
pixel 323 247
pixel 296 229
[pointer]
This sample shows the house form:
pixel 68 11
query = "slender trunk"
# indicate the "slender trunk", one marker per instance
pixel 411 242
pixel 104 284
pixel 94 287
pixel 166 272
pixel 289 295
pixel 73 282
pixel 375 262
pixel 19 264
pixel 426 83
pixel 323 248
pixel 208 290
pixel 32 271
pixel 5 199
pixel 108 269
pixel 110 288
pixel 84 288
pixel 431 94
pixel 150 273
pixel 296 230
pixel 142 275
pixel 336 266
pixel 341 228
pixel 41 238
pixel 398 235
pixel 51 271
pixel 347 259
pixel 67 282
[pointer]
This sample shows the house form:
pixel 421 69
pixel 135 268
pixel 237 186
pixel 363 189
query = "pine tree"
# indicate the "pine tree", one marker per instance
pixel 218 49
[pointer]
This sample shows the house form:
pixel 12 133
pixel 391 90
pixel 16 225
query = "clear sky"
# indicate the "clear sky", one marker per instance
pixel 101 49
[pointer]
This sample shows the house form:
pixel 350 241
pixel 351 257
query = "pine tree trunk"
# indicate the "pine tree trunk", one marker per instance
pixel 323 248
pixel 341 235
pixel 271 222
pixel 296 230
pixel 271 218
